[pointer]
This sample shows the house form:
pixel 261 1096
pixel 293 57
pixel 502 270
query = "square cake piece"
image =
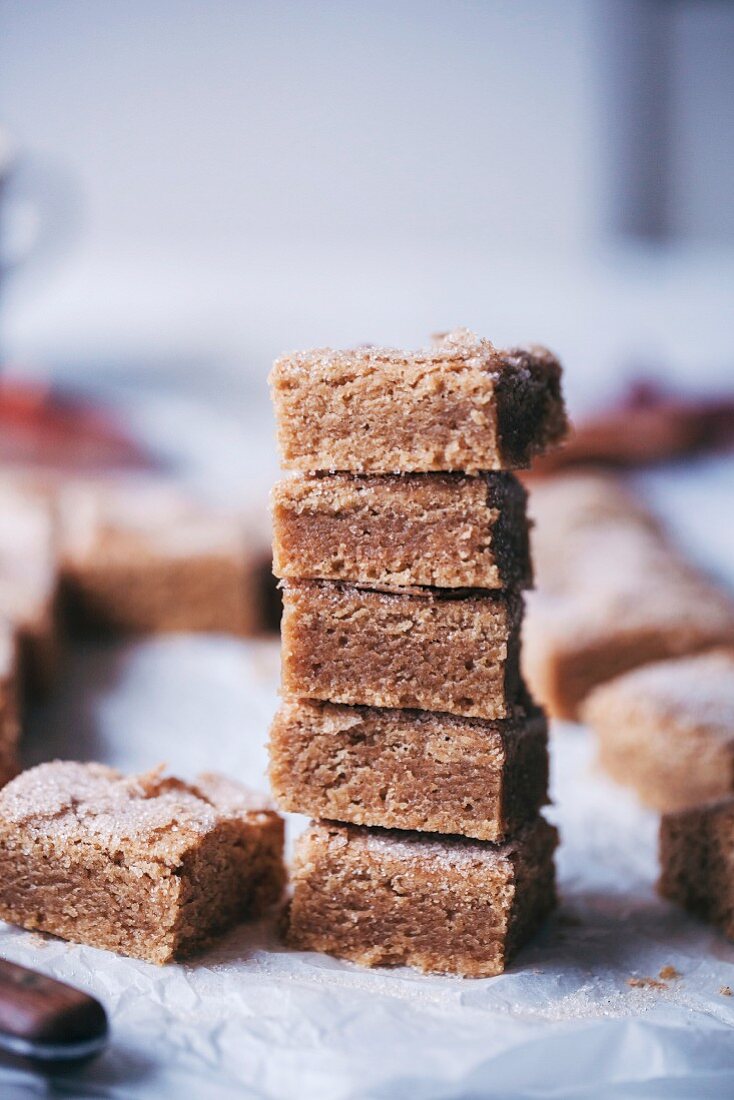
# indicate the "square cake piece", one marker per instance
pixel 612 593
pixel 427 649
pixel 142 556
pixel 444 905
pixel 146 866
pixel 697 862
pixel 460 405
pixel 409 769
pixel 441 530
pixel 667 729
pixel 9 725
pixel 29 582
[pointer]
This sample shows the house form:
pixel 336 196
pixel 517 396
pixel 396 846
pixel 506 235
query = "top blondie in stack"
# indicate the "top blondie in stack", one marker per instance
pixel 402 543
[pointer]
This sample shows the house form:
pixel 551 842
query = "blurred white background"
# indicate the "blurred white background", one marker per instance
pixel 241 178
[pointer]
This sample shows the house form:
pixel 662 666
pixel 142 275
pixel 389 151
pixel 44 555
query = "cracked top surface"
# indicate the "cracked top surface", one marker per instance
pixel 152 816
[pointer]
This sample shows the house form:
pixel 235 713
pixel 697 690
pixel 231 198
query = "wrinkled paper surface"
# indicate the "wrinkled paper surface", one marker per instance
pixel 251 1019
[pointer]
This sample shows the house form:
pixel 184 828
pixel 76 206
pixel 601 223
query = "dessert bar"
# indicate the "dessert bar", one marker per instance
pixel 612 594
pixel 141 556
pixel 427 649
pixel 697 861
pixel 29 582
pixel 146 866
pixel 445 905
pixel 667 729
pixel 9 727
pixel 443 530
pixel 409 769
pixel 459 405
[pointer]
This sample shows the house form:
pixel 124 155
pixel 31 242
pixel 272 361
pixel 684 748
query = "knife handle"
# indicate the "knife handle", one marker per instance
pixel 47 1020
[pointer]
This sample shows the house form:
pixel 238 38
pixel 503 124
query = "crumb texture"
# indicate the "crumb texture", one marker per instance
pixel 461 405
pixel 441 530
pixel 442 905
pixel 406 769
pixel 422 650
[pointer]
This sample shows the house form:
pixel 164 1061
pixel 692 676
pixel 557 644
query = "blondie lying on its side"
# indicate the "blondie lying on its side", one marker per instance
pixel 410 769
pixel 697 862
pixel 667 729
pixel 147 866
pixel 445 905
pixel 460 405
pixel 429 649
pixel 442 530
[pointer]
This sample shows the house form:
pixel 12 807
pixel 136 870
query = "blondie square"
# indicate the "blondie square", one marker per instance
pixel 29 582
pixel 142 556
pixel 409 769
pixel 460 405
pixel 9 726
pixel 427 649
pixel 612 594
pixel 697 862
pixel 442 530
pixel 445 905
pixel 146 866
pixel 667 729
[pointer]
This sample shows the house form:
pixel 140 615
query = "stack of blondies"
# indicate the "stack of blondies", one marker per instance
pixel 405 729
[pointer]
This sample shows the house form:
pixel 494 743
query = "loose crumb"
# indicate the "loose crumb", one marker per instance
pixel 670 974
pixel 725 991
pixel 646 983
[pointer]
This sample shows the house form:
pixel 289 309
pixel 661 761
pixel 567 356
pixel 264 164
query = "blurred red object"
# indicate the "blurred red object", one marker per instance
pixel 40 426
pixel 648 425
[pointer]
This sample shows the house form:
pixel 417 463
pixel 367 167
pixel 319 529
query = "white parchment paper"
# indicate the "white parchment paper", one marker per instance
pixel 251 1019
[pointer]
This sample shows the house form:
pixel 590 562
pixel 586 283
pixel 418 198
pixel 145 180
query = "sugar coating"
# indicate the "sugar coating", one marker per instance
pixel 460 405
pixel 613 593
pixel 667 729
pixel 145 865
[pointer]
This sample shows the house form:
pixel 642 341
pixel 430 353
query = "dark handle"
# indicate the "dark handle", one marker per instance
pixel 44 1019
